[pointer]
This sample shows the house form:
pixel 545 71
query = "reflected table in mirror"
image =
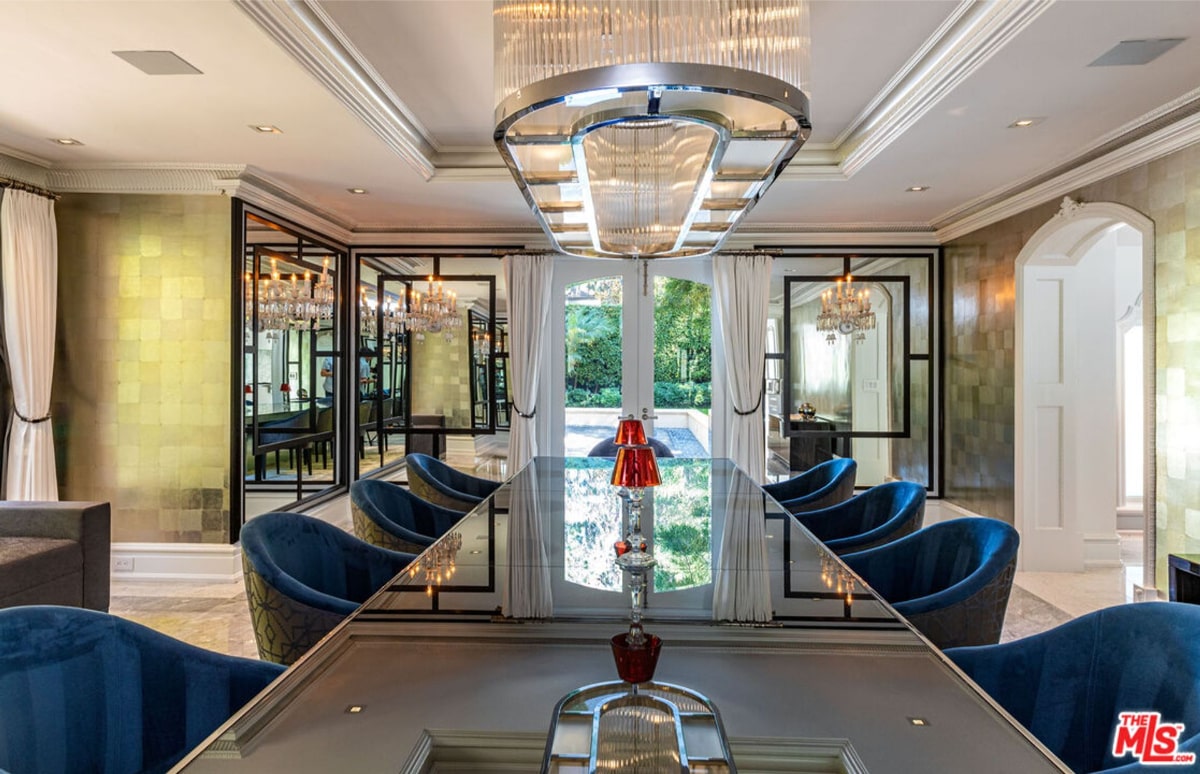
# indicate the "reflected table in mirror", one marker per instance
pixel 461 660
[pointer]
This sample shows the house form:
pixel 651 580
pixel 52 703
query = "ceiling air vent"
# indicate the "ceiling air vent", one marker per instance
pixel 1136 52
pixel 158 62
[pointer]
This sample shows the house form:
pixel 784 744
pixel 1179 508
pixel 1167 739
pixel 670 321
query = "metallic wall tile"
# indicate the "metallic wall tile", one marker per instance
pixel 141 387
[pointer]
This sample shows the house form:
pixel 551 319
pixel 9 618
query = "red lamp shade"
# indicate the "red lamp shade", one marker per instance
pixel 630 432
pixel 636 467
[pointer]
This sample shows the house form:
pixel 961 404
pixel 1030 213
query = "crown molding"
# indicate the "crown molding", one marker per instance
pixel 1143 127
pixel 141 178
pixel 1174 137
pixel 967 38
pixel 14 169
pixel 975 32
pixel 314 40
pixel 826 234
pixel 262 191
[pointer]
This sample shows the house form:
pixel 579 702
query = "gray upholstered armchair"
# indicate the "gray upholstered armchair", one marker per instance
pixel 55 553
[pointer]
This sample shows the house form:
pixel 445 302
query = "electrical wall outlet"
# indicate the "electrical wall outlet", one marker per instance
pixel 122 564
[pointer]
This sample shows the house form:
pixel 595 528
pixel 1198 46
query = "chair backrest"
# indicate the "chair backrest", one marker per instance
pixel 303 576
pixel 82 690
pixel 608 448
pixel 879 515
pixel 388 515
pixel 435 481
pixel 825 484
pixel 951 580
pixel 1068 685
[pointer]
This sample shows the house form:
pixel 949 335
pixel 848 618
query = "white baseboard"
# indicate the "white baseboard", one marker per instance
pixel 176 561
pixel 1101 550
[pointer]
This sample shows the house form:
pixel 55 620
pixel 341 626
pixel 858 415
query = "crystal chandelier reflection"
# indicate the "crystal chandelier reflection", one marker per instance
pixel 434 312
pixel 439 562
pixel 845 311
pixel 295 304
pixel 371 317
pixel 648 128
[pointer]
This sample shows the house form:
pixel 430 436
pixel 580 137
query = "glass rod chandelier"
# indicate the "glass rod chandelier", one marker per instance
pixel 648 128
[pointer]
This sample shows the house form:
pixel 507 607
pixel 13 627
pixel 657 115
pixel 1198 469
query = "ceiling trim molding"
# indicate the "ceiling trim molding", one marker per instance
pixel 141 178
pixel 836 234
pixel 1140 128
pixel 976 31
pixel 276 198
pixel 902 78
pixel 969 36
pixel 23 167
pixel 306 32
pixel 1174 137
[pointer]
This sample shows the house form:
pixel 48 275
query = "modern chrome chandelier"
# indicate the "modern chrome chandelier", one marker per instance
pixel 648 128
pixel 294 305
pixel 845 311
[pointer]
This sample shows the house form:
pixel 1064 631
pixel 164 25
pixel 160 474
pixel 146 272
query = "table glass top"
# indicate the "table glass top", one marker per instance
pixel 542 547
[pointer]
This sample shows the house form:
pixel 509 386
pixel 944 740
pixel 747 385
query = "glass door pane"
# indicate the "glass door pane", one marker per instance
pixel 593 362
pixel 682 365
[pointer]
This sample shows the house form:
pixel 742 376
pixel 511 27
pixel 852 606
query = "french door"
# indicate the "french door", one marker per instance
pixel 634 337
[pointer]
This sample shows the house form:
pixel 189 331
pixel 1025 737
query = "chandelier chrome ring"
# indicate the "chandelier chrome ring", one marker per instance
pixel 711 79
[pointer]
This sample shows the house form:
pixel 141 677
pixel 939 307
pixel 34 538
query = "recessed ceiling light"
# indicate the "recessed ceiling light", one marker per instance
pixel 1024 123
pixel 359 191
pixel 918 721
pixel 917 188
pixel 265 129
pixel 355 709
pixel 476 551
pixel 65 141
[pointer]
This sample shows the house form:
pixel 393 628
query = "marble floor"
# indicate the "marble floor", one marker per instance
pixel 214 615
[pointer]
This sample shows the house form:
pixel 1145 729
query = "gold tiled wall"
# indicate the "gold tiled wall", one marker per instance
pixel 141 381
pixel 980 348
pixel 441 377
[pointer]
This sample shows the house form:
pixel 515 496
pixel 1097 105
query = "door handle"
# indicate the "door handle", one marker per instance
pixel 646 415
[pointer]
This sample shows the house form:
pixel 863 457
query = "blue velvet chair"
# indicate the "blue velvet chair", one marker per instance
pixel 436 482
pixel 951 580
pixel 879 515
pixel 303 576
pixel 828 483
pixel 1069 684
pixel 82 691
pixel 389 516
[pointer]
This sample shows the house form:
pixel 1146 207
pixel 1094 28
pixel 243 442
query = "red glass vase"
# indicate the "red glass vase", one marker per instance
pixel 636 662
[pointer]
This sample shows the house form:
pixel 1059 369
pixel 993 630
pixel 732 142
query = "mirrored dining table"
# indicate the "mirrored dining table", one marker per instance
pixel 461 660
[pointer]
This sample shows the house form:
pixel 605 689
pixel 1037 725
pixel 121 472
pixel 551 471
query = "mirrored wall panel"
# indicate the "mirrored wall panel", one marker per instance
pixel 291 376
pixel 850 346
pixel 432 344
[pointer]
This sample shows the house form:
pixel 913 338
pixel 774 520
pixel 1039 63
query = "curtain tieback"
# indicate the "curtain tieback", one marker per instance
pixel 29 421
pixel 754 410
pixel 521 413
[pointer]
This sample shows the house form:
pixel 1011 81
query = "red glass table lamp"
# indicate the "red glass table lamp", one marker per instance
pixel 636 469
pixel 630 432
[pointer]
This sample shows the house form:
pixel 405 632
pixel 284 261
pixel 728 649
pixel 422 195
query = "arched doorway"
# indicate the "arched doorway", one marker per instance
pixel 1076 280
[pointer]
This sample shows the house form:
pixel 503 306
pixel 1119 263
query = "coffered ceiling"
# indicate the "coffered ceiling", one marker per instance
pixel 397 98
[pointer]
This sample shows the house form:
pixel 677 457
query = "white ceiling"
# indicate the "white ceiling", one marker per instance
pixel 383 95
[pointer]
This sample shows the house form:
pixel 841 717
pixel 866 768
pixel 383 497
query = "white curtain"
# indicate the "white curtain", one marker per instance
pixel 742 583
pixel 743 284
pixel 527 593
pixel 29 266
pixel 527 279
